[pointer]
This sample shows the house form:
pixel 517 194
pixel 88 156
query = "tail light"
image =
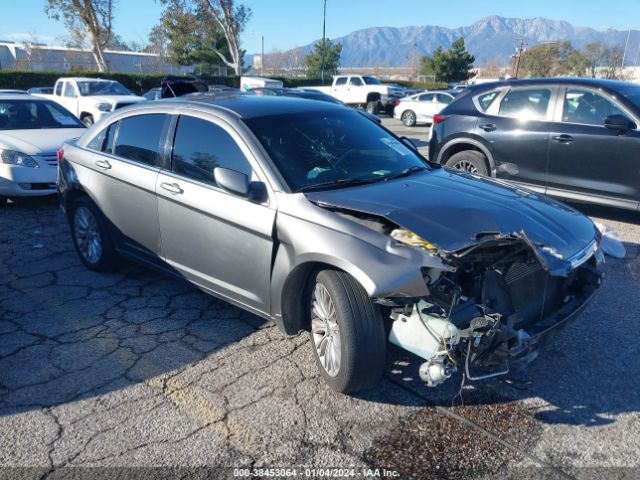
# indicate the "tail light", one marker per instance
pixel 60 154
pixel 397 102
pixel 439 118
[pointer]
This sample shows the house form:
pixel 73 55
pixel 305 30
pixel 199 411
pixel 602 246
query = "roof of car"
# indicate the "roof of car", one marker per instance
pixel 22 96
pixel 248 106
pixel 591 82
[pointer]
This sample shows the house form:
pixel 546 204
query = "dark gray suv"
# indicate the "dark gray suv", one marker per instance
pixel 309 214
pixel 573 138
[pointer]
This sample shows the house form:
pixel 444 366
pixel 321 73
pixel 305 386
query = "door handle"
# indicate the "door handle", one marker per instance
pixel 489 127
pixel 564 138
pixel 172 187
pixel 103 164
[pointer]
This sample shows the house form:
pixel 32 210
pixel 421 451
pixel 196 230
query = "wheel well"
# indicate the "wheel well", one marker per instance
pixel 72 196
pixel 461 147
pixel 372 97
pixel 295 315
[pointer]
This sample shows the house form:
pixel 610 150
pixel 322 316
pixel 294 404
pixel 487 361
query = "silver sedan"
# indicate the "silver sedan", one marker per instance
pixel 313 216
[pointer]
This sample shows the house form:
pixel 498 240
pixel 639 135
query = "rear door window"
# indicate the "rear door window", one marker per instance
pixel 59 89
pixel 341 81
pixel 426 98
pixel 200 146
pixel 139 138
pixel 526 103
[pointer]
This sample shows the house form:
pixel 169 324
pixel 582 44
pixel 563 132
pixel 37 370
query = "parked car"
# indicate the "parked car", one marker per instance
pixel 153 94
pixel 90 99
pixel 311 95
pixel 572 138
pixel 11 91
pixel 362 91
pixel 420 109
pixel 31 131
pixel 44 90
pixel 307 214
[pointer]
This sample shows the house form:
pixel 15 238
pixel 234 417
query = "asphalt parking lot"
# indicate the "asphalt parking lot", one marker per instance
pixel 133 369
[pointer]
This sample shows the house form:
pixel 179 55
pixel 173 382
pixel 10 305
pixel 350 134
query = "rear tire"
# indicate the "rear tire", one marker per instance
pixel 469 161
pixel 348 325
pixel 408 118
pixel 91 237
pixel 87 120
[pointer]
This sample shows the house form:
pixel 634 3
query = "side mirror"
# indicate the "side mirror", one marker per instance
pixel 409 143
pixel 232 181
pixel 620 123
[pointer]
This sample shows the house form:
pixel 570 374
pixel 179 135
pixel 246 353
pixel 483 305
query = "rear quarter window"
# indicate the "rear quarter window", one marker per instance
pixel 484 100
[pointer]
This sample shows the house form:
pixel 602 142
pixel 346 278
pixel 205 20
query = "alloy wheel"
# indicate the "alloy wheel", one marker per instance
pixel 325 330
pixel 87 235
pixel 466 166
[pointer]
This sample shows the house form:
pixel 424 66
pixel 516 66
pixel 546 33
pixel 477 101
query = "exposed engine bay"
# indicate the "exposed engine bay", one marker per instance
pixel 495 307
pixel 496 310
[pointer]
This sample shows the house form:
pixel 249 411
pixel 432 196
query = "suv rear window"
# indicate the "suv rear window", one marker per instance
pixel 139 138
pixel 526 103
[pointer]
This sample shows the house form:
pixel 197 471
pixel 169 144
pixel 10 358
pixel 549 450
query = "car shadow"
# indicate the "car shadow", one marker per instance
pixel 69 334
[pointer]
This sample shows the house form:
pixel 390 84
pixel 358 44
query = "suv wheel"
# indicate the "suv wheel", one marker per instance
pixel 90 236
pixel 469 161
pixel 347 332
pixel 408 118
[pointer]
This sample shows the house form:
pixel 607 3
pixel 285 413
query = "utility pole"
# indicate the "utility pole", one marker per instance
pixel 624 55
pixel 324 41
pixel 519 50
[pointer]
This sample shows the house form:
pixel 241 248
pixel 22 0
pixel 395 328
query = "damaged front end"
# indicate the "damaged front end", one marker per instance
pixel 506 299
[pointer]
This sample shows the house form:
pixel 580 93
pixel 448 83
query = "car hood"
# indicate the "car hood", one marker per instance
pixel 36 141
pixel 115 98
pixel 454 211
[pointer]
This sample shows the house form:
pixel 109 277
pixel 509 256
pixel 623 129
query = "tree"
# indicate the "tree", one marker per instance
pixel 203 32
pixel 231 18
pixel 313 59
pixel 92 18
pixel 552 59
pixel 453 65
pixel 594 54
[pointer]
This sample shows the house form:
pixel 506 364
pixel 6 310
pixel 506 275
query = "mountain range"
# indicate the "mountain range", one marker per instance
pixel 492 38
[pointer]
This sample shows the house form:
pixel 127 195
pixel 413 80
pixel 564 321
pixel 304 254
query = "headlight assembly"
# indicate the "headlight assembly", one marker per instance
pixel 12 157
pixel 407 237
pixel 104 107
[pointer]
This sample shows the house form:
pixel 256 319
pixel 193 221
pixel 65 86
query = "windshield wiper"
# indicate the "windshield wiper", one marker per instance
pixel 344 182
pixel 406 172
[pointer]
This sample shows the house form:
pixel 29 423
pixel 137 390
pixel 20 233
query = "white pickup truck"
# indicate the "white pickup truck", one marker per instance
pixel 90 99
pixel 363 91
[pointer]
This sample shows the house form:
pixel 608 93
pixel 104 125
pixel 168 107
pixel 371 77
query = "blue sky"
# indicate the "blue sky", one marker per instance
pixel 290 23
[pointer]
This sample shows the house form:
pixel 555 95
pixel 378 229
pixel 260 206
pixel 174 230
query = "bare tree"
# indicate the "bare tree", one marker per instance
pixel 92 18
pixel 231 18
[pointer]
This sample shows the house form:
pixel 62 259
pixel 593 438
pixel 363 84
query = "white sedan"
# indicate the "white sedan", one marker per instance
pixel 31 131
pixel 420 108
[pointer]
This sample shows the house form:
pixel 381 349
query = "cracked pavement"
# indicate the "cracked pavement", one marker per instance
pixel 136 369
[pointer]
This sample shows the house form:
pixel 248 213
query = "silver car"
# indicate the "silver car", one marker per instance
pixel 310 215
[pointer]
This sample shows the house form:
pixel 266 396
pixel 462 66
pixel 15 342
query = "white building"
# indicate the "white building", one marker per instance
pixel 38 57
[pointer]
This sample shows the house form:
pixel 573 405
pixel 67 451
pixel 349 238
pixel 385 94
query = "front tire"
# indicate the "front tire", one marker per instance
pixel 469 161
pixel 347 332
pixel 90 236
pixel 408 118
